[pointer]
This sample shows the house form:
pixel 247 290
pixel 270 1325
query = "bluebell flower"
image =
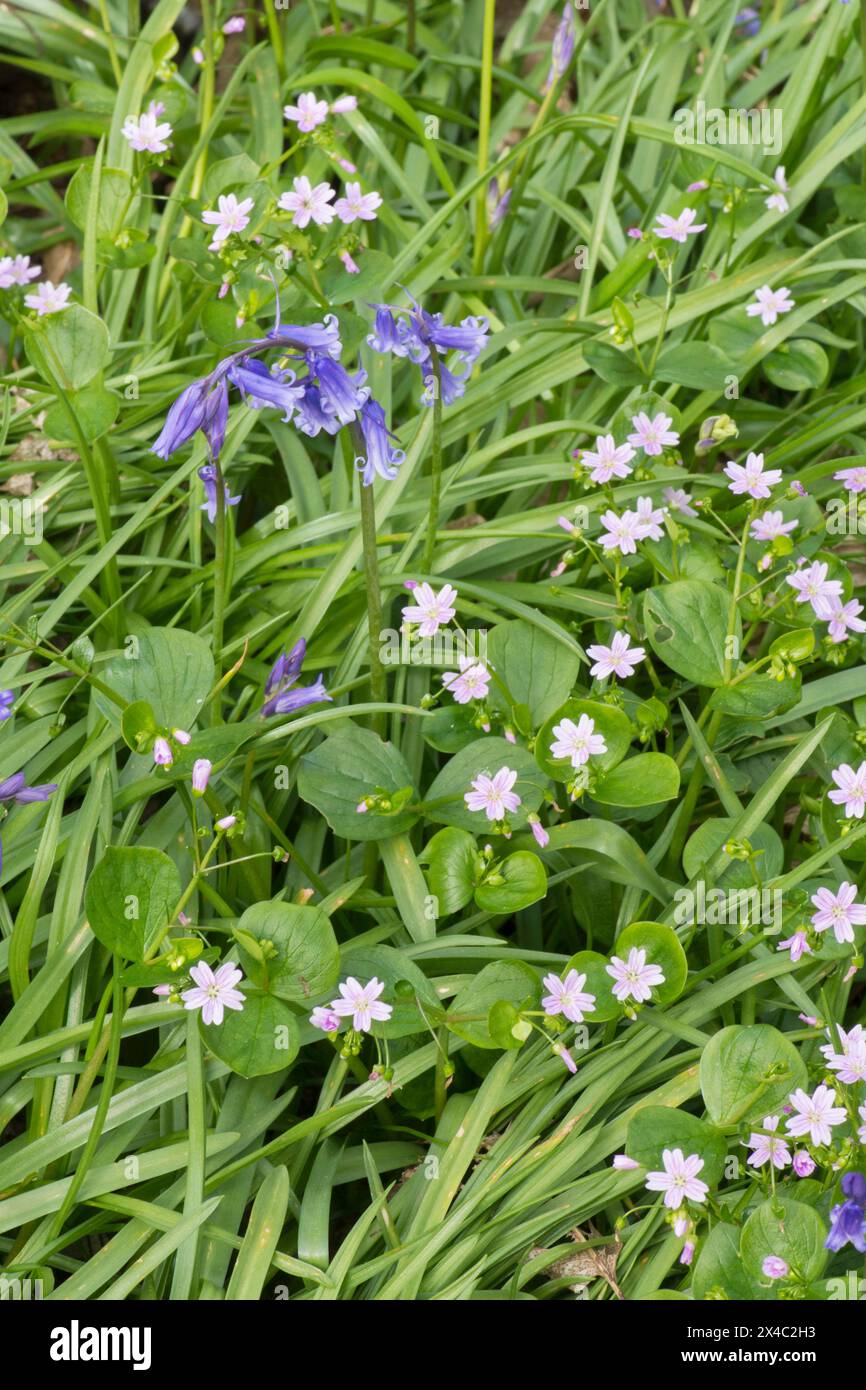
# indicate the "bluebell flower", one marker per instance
pixel 340 393
pixel 282 698
pixel 849 1225
pixel 193 410
pixel 748 22
pixel 15 789
pixel 497 204
pixel 312 417
pixel 7 700
pixel 380 456
pixel 315 337
pixel 415 334
pixel 854 1186
pixel 208 475
pixel 262 387
pixel 563 46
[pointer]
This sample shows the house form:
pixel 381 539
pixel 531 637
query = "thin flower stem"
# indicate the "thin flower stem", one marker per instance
pixel 378 679
pixel 219 589
pixel 435 467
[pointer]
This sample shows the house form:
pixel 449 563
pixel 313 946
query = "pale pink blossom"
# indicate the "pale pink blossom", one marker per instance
pixel 567 996
pixel 17 270
pixel 653 435
pixel 214 992
pixel 308 204
pixel 774 1267
pixel 853 478
pixel 816 1114
pixel 430 610
pixel 493 795
pixel 839 910
pixel 146 133
pixel 622 532
pixel 777 202
pixel 634 978
pixel 845 616
pixel 850 1065
pixel 813 586
pixel 608 460
pixel 650 518
pixel 850 789
pixel 579 741
pixel 770 304
pixel 679 501
pixel 540 835
pixel 678 228
pixel 48 298
pixel 228 217
pixel 679 1181
pixel 619 659
pixel 327 1019
pixel 469 683
pixel 622 1163
pixel 162 754
pixel 751 478
pixel 355 205
pixel 307 112
pixel 769 1148
pixel 771 525
pixel 362 1003
pixel 798 945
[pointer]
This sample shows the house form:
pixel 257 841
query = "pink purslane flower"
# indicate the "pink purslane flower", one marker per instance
pixel 678 228
pixel 774 1267
pixel 813 586
pixel 622 532
pixel 687 1254
pixel 679 1181
pixel 804 1164
pixel 17 270
pixel 362 1004
pixel 493 795
pixel 235 24
pixel 162 754
pixel 839 910
pixel 540 835
pixel 853 478
pixel 770 304
pixel 579 741
pixel 308 204
pixel 608 460
pixel 653 435
pixel 565 1057
pixel 307 112
pixel 679 501
pixel 650 520
pixel 622 1163
pixel 850 789
pixel 634 978
pixel 201 771
pixel 849 1065
pixel 769 1148
pixel 214 992
pixel 777 202
pixel 798 945
pixel 770 526
pixel 567 997
pixel 751 478
pixel 816 1114
pixel 469 683
pixel 228 217
pixel 844 616
pixel 430 610
pixel 147 133
pixel 619 659
pixel 48 298
pixel 357 206
pixel 325 1018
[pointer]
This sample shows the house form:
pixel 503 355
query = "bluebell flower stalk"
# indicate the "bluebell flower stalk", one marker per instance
pixel 418 335
pixel 280 697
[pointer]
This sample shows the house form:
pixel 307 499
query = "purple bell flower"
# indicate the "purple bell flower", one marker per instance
pixel 341 394
pixel 414 333
pixel 849 1225
pixel 7 700
pixel 284 673
pixel 15 789
pixel 854 1186
pixel 312 417
pixel 380 456
pixel 208 475
pixel 563 47
pixel 262 387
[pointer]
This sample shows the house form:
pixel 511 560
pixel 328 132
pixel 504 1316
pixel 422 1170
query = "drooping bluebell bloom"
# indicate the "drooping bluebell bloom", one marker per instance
pixel 315 337
pixel 193 410
pixel 7 700
pixel 414 333
pixel 15 789
pixel 262 387
pixel 497 204
pixel 748 22
pixel 849 1225
pixel 208 475
pixel 312 416
pixel 282 699
pixel 380 455
pixel 854 1186
pixel 340 393
pixel 563 46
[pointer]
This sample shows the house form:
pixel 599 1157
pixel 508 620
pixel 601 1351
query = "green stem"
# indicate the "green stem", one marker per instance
pixel 219 589
pixel 484 132
pixel 378 679
pixel 435 467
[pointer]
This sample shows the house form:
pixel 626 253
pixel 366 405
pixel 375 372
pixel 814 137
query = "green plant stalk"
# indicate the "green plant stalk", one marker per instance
pixel 185 1260
pixel 219 591
pixel 435 469
pixel 483 153
pixel 378 679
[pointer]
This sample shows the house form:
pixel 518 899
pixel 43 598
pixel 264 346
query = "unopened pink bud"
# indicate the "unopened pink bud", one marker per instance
pixel 201 772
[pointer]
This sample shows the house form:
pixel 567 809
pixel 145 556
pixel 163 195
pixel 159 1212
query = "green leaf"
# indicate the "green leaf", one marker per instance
pixel 719 1268
pixel 658 1127
pixel 523 881
pixel 687 624
pixel 73 343
pixel 612 723
pixel 403 982
pixel 662 947
pixel 111 204
pixel 502 1020
pixel 130 897
pixel 789 1229
pixel 95 410
pixel 708 839
pixel 598 983
pixel 643 780
pixel 486 755
pixel 347 767
pixel 169 668
pixel 798 365
pixel 758 696
pixel 511 981
pixel 306 959
pixel 537 670
pixel 612 365
pixel 701 366
pixel 254 1041
pixel 452 857
pixel 747 1073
